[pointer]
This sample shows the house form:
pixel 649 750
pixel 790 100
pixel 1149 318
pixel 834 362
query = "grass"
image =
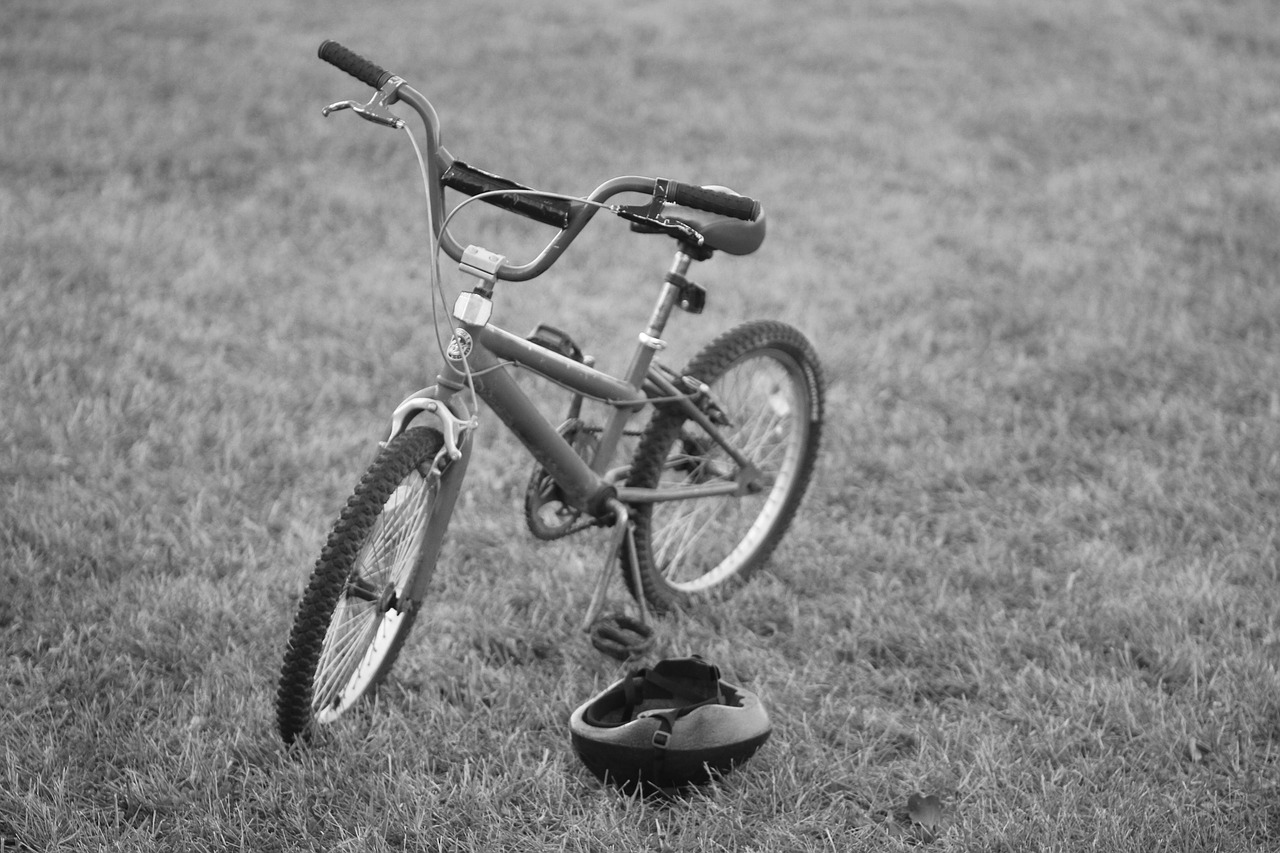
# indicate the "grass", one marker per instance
pixel 1035 245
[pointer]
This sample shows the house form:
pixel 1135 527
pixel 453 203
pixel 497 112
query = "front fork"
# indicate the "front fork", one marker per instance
pixel 445 475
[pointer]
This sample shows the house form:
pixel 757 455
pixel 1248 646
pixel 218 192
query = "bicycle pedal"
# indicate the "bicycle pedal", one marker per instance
pixel 621 637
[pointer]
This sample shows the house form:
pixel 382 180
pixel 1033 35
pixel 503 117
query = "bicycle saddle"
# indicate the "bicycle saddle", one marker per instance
pixel 723 233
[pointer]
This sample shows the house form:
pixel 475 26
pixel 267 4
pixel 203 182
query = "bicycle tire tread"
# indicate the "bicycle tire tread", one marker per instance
pixel 297 674
pixel 708 365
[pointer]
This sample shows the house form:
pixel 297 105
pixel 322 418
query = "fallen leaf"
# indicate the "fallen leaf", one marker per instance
pixel 1197 750
pixel 926 811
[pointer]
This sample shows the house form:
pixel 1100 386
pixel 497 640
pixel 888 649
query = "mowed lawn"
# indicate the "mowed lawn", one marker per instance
pixel 1036 245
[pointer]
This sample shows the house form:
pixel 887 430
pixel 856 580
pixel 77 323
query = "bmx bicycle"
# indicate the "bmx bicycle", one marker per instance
pixel 717 475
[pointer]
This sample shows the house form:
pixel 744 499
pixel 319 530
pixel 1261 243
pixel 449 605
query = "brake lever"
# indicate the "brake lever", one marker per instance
pixel 640 216
pixel 375 110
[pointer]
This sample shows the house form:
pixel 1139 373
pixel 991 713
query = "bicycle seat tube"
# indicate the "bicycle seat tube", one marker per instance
pixel 648 346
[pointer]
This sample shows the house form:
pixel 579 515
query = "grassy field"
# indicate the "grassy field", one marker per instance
pixel 1035 244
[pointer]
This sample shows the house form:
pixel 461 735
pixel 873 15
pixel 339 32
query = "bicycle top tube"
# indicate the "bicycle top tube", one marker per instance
pixel 576 212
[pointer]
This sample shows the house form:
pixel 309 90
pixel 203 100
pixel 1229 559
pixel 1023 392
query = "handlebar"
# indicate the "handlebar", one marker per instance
pixel 569 216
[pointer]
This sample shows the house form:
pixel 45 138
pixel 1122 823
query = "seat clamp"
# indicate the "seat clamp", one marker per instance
pixel 693 298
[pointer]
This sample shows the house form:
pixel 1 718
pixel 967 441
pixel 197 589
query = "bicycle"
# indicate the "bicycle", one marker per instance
pixel 716 478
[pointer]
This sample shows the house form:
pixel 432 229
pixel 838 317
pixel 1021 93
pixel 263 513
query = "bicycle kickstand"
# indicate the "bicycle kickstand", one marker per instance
pixel 618 635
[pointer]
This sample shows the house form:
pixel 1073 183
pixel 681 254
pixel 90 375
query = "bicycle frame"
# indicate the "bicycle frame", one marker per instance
pixel 479 356
pixel 584 483
pixel 482 362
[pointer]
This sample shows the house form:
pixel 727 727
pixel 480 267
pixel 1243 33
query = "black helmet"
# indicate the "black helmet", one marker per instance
pixel 671 726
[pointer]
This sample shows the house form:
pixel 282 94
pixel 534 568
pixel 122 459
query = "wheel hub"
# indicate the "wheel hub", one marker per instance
pixel 388 600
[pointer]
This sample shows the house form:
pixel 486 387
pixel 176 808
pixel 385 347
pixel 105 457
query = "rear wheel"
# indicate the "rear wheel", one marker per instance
pixel 766 397
pixel 356 613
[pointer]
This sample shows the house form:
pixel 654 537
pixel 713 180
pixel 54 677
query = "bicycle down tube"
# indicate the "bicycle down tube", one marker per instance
pixel 491 350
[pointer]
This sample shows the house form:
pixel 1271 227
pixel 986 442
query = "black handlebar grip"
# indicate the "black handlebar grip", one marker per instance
pixel 354 64
pixel 713 201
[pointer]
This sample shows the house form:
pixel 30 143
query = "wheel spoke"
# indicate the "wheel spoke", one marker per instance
pixel 757 436
pixel 352 646
pixel 692 532
pixel 341 648
pixel 765 380
pixel 359 589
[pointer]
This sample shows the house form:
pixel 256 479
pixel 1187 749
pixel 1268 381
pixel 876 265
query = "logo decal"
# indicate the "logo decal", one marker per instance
pixel 459 345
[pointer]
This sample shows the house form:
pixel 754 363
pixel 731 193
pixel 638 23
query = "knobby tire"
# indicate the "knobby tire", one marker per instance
pixel 353 619
pixel 767 378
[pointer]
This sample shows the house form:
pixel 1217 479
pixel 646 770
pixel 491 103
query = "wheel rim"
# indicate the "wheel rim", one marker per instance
pixel 689 535
pixel 371 609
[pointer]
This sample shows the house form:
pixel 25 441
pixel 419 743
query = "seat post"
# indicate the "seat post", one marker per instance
pixel 651 341
pixel 650 344
pixel 666 301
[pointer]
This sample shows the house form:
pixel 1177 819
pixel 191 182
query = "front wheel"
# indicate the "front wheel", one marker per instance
pixel 765 396
pixel 356 612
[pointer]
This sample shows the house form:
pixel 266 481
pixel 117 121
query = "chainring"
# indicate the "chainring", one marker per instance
pixel 547 514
